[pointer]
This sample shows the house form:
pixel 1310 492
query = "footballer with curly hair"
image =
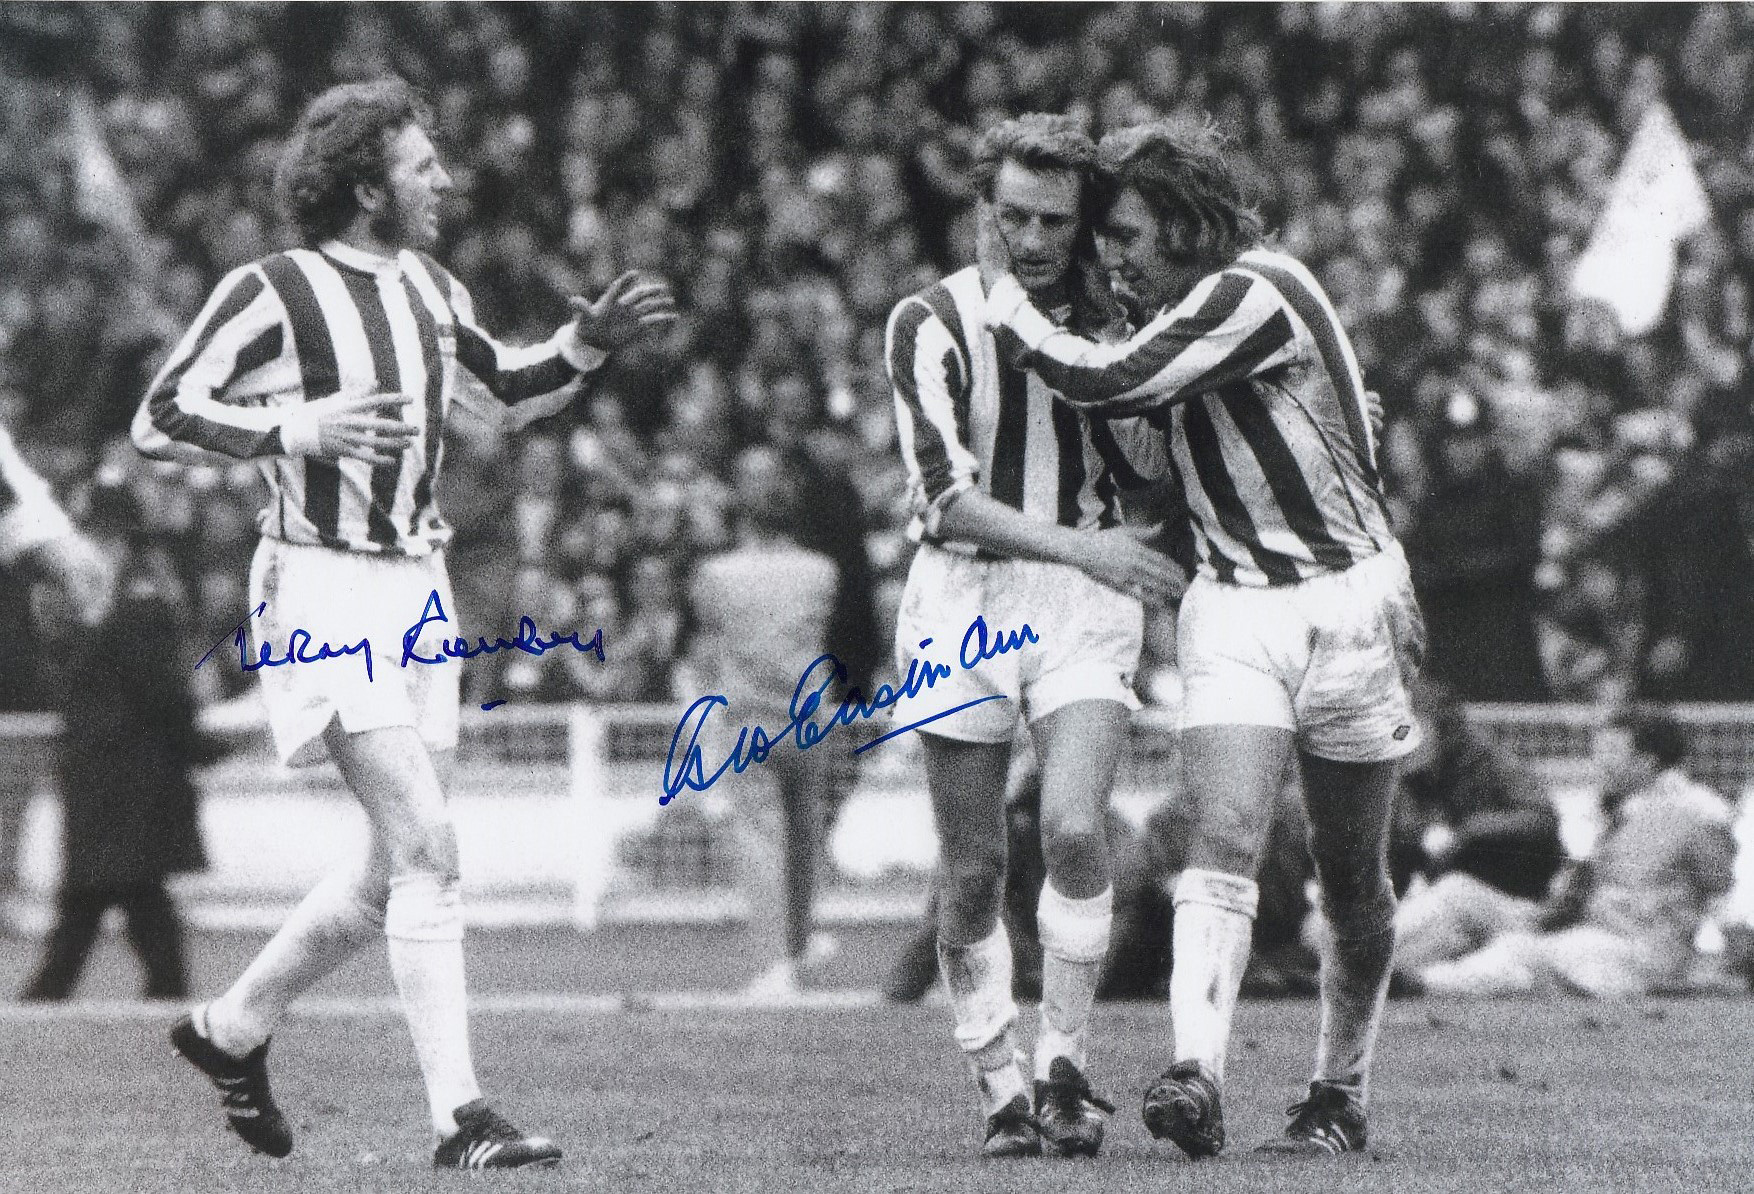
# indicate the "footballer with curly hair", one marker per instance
pixel 333 366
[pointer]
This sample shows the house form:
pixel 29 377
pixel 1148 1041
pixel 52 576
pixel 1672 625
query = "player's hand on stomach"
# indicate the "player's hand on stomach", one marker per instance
pixel 633 306
pixel 1115 558
pixel 350 427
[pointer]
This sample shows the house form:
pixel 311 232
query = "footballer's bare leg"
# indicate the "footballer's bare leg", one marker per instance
pixel 1079 746
pixel 1233 774
pixel 396 780
pixel 1350 807
pixel 967 785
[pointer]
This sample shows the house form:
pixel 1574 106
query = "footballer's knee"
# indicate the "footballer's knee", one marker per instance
pixel 426 847
pixel 971 885
pixel 1074 844
pixel 1359 900
pixel 1225 844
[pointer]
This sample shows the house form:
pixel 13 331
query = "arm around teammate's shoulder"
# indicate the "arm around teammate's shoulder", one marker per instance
pixel 1232 325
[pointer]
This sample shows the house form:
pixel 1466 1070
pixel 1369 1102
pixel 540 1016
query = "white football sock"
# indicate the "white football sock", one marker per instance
pixel 977 979
pixel 424 927
pixel 1074 943
pixel 328 927
pixel 1214 926
pixel 1356 963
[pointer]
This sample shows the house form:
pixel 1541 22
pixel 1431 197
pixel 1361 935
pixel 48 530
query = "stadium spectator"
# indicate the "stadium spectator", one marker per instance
pixel 760 612
pixel 1474 546
pixel 334 365
pixel 1619 924
pixel 59 572
pixel 129 747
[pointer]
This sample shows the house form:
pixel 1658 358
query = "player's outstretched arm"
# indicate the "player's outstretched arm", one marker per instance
pixel 634 306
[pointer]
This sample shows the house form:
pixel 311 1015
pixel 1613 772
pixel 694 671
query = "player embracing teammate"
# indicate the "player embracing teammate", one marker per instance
pixel 1299 632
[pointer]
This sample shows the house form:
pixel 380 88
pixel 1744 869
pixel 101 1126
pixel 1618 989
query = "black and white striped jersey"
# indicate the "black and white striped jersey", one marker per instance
pixel 311 323
pixel 1257 394
pixel 968 417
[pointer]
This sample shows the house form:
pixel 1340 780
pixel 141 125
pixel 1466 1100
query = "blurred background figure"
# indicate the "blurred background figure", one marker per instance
pixel 128 753
pixel 64 578
pixel 1618 924
pixel 1468 807
pixel 760 612
pixel 1473 549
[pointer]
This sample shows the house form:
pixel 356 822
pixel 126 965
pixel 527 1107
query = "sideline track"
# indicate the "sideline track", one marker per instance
pixel 349 1007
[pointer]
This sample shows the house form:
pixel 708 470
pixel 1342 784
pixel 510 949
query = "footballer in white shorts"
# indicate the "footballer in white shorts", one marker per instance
pixel 1088 641
pixel 1329 658
pixel 343 599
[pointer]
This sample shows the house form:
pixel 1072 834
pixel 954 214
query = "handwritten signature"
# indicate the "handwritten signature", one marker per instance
pixel 300 648
pixel 755 743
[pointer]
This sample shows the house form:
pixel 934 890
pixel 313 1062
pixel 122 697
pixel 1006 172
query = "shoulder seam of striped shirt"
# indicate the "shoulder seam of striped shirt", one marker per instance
pixel 969 417
pixel 1257 393
pixel 310 323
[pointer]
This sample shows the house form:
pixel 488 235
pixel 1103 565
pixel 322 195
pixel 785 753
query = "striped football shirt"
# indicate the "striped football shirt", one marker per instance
pixel 1257 395
pixel 307 324
pixel 967 418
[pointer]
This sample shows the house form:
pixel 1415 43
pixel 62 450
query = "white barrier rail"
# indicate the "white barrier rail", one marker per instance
pixel 558 814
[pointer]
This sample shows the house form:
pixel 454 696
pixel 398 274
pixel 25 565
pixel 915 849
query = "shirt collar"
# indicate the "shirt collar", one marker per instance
pixel 359 259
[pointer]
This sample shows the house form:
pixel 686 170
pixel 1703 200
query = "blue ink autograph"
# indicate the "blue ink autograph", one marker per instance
pixel 754 743
pixel 299 647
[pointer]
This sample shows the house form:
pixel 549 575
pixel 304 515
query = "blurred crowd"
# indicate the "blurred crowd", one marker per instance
pixel 1576 503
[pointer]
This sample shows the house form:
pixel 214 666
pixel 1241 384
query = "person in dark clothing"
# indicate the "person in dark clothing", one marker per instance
pixel 128 746
pixel 1465 806
pixel 1696 546
pixel 1473 551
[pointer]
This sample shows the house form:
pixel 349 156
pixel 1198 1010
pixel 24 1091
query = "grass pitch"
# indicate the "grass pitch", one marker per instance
pixel 1482 1097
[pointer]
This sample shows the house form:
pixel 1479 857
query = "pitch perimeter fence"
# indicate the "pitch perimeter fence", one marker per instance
pixel 559 817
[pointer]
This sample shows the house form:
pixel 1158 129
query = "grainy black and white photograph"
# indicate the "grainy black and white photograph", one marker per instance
pixel 876 597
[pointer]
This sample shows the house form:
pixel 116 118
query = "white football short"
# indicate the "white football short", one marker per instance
pixel 343 598
pixel 1087 640
pixel 1329 658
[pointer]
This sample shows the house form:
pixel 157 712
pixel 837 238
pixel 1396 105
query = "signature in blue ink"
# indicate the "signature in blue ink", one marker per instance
pixel 754 743
pixel 526 640
pixel 300 649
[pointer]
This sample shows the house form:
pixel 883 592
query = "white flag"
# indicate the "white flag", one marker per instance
pixel 1655 202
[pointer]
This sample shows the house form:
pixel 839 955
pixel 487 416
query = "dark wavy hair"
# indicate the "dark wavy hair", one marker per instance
pixel 1184 173
pixel 341 141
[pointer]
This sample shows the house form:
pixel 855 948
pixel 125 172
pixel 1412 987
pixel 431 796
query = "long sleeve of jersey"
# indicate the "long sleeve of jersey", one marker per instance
pixel 1233 325
pixel 209 403
pixel 929 376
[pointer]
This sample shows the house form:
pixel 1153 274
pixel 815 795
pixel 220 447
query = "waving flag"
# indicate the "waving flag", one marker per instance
pixel 1655 203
